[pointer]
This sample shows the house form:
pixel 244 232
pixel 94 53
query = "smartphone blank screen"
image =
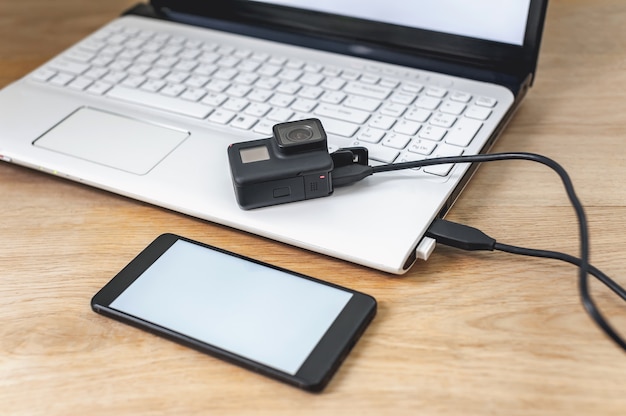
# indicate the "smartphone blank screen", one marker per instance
pixel 263 314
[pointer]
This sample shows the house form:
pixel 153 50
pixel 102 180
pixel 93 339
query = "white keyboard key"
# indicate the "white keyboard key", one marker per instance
pixel 295 64
pixel 289 74
pixel 246 79
pixel 157 73
pixel 172 90
pixel 264 127
pixel 404 98
pixel 350 74
pixel 136 69
pixel 193 94
pixel 238 90
pixel 442 120
pixel 280 115
pixel 221 116
pixel 99 88
pixel 96 73
pixel 331 71
pixel 393 110
pixel 342 113
pixel 486 102
pixel 214 99
pixel 235 104
pixel 463 132
pixel 91 45
pixel 197 81
pixel 369 78
pixel 443 169
pixel 304 105
pixel 44 74
pixel 61 79
pixel 134 81
pixel 429 103
pixel 339 128
pixel 205 69
pixel 412 87
pixel 80 83
pixel 80 55
pixel 460 96
pixel 371 135
pixel 451 107
pixel 395 140
pixel 258 109
pixel 367 90
pixel 174 105
pixel 382 122
pixel 432 133
pixel 478 113
pixel 362 103
pixel 436 92
pixel 389 83
pixel 411 157
pixel 312 67
pixel 383 154
pixel 248 66
pixel 153 85
pixel 289 88
pixel 311 79
pixel 259 56
pixel 332 97
pixel 166 62
pixel 334 84
pixel 244 122
pixel 311 92
pixel 407 127
pixel 260 96
pixel 422 147
pixel 281 100
pixel 63 65
pixel 418 114
pixel 267 83
pixel 268 70
pixel 225 74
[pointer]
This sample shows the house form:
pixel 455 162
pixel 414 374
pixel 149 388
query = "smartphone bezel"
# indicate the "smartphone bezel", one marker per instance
pixel 319 366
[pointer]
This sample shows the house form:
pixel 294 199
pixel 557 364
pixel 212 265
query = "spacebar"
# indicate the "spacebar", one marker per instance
pixel 161 102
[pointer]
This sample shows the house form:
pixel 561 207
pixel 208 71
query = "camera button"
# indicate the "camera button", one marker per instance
pixel 282 192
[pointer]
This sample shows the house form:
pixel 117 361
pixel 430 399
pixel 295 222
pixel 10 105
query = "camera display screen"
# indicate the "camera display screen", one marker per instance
pixel 254 154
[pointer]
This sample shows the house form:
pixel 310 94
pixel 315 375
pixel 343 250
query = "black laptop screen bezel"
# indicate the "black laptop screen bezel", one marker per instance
pixel 519 61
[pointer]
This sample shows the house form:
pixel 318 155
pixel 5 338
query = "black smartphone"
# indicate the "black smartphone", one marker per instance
pixel 277 322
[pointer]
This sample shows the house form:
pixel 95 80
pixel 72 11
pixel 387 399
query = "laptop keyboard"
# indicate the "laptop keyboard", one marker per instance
pixel 397 119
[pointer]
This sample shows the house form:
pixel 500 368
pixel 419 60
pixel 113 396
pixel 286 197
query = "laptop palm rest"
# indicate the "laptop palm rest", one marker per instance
pixel 112 140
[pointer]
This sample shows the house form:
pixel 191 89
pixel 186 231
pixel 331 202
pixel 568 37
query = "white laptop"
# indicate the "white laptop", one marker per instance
pixel 146 107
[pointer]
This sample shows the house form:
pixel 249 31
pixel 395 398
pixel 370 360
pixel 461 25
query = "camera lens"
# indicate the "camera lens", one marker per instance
pixel 300 134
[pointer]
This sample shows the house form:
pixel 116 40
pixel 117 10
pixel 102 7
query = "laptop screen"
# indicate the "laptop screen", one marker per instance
pixel 499 37
pixel 495 20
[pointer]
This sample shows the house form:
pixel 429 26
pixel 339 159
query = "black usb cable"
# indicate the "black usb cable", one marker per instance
pixel 468 238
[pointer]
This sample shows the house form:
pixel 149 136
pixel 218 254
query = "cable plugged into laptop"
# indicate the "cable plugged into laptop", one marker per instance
pixel 353 168
pixel 469 238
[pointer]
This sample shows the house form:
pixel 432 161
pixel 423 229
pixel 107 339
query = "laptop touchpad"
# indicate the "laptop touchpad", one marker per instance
pixel 112 140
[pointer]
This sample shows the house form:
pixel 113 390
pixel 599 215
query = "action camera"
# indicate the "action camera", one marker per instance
pixel 293 165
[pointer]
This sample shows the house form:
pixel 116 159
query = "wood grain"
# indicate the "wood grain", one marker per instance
pixel 461 334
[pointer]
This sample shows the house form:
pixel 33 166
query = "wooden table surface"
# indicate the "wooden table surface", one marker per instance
pixel 465 333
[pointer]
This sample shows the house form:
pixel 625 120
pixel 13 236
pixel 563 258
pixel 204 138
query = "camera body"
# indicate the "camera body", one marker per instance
pixel 293 165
